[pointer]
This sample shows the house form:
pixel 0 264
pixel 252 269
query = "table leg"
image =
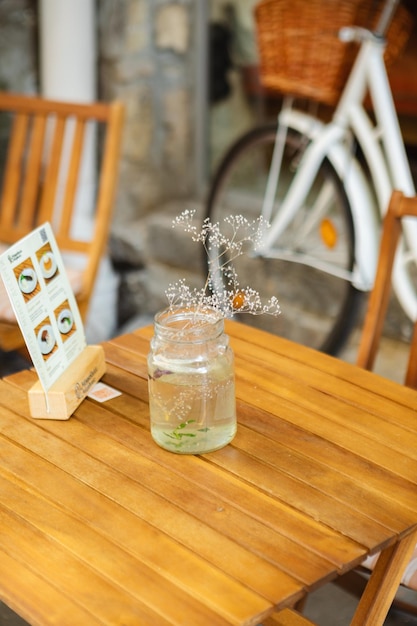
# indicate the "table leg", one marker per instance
pixel 383 583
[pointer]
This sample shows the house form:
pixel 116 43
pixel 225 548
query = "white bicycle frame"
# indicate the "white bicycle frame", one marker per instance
pixel 384 151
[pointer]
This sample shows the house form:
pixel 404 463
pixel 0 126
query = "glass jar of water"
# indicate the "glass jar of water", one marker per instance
pixel 191 382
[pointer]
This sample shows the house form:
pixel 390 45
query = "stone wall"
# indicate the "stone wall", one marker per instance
pixel 148 52
pixel 147 60
pixel 18 46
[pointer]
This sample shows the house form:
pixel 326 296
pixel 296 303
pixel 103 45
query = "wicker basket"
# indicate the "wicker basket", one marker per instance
pixel 299 49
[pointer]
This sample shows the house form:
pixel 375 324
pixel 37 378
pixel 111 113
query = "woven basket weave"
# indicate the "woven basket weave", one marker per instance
pixel 299 49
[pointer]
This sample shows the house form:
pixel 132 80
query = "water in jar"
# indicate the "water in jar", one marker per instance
pixel 193 413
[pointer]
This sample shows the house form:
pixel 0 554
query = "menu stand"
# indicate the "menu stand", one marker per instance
pixel 46 310
pixel 66 394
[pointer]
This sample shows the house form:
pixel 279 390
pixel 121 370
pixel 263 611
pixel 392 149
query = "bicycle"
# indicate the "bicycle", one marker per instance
pixel 324 200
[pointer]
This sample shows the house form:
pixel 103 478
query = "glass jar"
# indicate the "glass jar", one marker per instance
pixel 191 382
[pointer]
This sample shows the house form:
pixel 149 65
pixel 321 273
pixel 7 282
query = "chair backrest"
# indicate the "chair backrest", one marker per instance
pixel 399 207
pixel 44 161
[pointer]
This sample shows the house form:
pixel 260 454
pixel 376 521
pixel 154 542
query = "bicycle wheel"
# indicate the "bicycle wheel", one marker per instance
pixel 302 268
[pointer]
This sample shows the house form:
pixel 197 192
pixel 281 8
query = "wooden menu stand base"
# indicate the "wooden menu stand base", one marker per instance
pixel 61 400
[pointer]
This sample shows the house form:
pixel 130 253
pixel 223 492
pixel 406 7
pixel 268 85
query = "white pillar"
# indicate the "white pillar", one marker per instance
pixel 68 71
pixel 68 49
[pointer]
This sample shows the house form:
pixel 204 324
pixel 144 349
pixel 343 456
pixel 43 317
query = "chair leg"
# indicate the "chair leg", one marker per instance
pixel 411 376
pixel 379 298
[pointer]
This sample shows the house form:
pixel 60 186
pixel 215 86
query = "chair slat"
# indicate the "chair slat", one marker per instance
pixel 52 172
pixel 72 179
pixel 32 175
pixel 106 189
pixel 12 177
pixel 28 104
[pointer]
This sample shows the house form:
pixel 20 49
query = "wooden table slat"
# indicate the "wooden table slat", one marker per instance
pixel 38 601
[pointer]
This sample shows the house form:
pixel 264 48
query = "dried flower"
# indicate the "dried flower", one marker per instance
pixel 222 291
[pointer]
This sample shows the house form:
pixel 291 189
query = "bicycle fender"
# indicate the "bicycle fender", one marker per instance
pixel 362 204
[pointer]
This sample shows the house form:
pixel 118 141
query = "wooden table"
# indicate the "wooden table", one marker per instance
pixel 101 526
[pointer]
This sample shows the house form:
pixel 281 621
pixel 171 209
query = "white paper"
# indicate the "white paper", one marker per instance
pixel 41 296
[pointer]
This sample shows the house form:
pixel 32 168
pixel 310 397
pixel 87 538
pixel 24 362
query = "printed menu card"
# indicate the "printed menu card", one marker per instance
pixel 44 304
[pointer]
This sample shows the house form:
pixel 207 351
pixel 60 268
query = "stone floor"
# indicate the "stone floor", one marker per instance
pixel 11 362
pixel 391 361
pixel 329 606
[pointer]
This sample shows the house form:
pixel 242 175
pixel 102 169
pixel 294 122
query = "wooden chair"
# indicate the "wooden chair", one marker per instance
pixel 45 160
pixel 399 207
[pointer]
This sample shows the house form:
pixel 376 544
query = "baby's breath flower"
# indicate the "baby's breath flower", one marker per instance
pixel 239 235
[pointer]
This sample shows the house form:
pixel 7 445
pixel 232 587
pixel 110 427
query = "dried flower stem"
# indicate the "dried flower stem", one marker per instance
pixel 222 292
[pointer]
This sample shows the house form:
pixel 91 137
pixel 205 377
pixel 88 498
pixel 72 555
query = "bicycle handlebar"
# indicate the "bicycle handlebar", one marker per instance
pixel 386 17
pixel 358 33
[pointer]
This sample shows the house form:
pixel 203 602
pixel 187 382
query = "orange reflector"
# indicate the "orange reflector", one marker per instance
pixel 328 233
pixel 238 300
